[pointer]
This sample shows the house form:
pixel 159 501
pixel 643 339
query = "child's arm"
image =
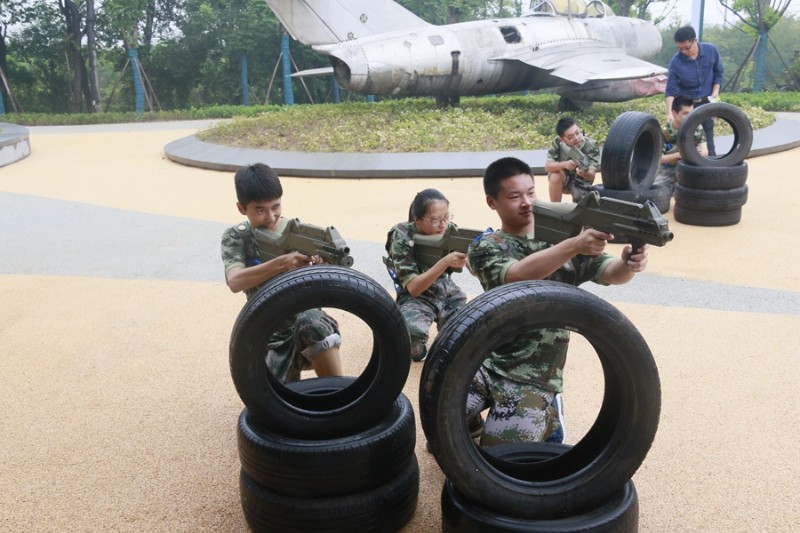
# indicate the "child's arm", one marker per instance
pixel 423 281
pixel 242 278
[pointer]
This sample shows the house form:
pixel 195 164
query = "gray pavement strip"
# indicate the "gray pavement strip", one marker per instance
pixel 75 239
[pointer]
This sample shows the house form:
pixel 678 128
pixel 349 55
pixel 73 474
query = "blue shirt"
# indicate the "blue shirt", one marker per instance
pixel 695 77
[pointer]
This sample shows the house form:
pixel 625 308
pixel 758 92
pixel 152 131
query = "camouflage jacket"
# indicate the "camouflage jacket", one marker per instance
pixel 401 263
pixel 670 135
pixel 558 152
pixel 536 357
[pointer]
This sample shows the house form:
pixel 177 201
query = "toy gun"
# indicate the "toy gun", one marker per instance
pixel 296 236
pixel 428 249
pixel 640 223
pixel 574 153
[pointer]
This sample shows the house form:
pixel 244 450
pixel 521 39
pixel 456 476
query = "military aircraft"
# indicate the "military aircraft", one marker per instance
pixel 582 50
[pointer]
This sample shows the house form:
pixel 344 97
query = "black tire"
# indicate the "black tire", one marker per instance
pixel 383 509
pixel 340 412
pixel 631 152
pixel 608 454
pixel 719 178
pixel 742 135
pixel 692 217
pixel 331 467
pixel 619 513
pixel 710 199
pixel 661 195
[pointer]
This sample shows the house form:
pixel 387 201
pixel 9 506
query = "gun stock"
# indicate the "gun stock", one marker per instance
pixel 428 249
pixel 307 239
pixel 640 223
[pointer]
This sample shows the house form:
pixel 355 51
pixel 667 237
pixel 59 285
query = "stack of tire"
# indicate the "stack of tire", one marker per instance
pixel 325 454
pixel 540 487
pixel 630 159
pixel 712 190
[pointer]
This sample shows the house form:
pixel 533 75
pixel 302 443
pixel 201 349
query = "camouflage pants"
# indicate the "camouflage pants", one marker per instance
pixel 573 185
pixel 518 412
pixel 436 304
pixel 292 351
pixel 666 174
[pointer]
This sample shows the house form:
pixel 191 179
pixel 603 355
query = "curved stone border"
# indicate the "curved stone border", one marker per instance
pixel 781 135
pixel 14 143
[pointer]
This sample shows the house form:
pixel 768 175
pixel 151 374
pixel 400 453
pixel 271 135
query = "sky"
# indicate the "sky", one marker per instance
pixel 713 12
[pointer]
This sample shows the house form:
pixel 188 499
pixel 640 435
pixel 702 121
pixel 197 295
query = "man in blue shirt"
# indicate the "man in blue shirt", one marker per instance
pixel 695 71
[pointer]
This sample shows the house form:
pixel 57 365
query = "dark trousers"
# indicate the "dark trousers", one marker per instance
pixel 708 127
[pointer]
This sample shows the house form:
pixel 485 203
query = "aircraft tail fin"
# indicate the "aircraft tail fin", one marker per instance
pixel 332 21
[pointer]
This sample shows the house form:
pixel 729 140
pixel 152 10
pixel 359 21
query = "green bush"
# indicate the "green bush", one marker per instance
pixel 509 122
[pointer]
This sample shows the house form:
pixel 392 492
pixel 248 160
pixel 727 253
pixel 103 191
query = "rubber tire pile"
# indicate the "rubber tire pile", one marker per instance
pixel 329 454
pixel 540 487
pixel 712 190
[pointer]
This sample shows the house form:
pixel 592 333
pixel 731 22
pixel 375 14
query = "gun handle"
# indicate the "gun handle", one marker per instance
pixel 636 246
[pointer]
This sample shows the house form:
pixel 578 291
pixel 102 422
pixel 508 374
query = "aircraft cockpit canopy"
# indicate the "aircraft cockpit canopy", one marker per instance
pixel 572 8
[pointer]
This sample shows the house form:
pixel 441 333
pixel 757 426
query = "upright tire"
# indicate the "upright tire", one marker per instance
pixel 631 152
pixel 608 454
pixel 742 135
pixel 336 413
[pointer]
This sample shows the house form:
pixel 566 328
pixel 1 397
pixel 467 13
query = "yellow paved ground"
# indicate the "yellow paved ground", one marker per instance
pixel 118 412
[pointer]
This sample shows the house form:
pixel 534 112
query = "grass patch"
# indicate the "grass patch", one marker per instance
pixel 417 125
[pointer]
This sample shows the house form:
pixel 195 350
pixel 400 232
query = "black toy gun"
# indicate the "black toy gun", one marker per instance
pixel 428 249
pixel 296 236
pixel 640 223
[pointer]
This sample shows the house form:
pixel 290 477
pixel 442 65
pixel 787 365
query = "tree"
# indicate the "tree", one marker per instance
pixel 758 17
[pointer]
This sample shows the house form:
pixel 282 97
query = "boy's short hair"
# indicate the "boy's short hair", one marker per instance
pixel 685 33
pixel 679 102
pixel 256 183
pixel 504 168
pixel 564 124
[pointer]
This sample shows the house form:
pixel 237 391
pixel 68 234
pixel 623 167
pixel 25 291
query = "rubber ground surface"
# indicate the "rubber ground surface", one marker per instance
pixel 117 405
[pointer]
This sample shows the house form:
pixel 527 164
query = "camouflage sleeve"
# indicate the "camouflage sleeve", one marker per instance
pixel 234 249
pixel 591 268
pixel 401 254
pixel 490 258
pixel 699 136
pixel 592 151
pixel 554 152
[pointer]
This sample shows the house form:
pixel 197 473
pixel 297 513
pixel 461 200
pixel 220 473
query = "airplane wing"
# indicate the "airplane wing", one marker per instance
pixel 585 61
pixel 313 72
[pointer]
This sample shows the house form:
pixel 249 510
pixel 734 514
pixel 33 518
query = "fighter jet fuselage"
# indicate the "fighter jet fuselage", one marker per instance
pixel 593 57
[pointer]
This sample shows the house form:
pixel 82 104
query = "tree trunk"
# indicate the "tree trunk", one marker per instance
pixel 760 60
pixel 94 78
pixel 73 20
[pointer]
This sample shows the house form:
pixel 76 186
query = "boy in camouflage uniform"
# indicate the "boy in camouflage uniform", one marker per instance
pixel 521 381
pixel 429 295
pixel 572 162
pixel 667 171
pixel 307 340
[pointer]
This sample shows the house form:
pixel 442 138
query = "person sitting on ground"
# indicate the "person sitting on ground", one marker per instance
pixel 521 381
pixel 312 340
pixel 572 161
pixel 424 295
pixel 667 172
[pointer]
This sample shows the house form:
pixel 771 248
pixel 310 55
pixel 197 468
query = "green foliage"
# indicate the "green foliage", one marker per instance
pixel 771 101
pixel 417 125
